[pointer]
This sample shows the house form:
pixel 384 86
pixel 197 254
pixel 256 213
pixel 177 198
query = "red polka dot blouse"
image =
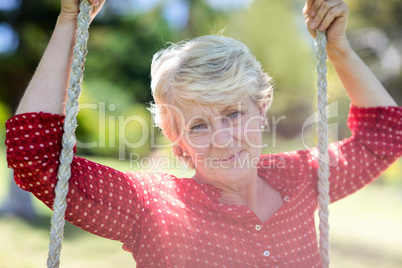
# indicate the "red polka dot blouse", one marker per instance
pixel 176 222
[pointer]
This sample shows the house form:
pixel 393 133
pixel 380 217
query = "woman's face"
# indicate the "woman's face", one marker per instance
pixel 224 143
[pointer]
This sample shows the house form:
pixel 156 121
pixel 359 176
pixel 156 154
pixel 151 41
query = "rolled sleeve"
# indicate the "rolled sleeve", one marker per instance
pixel 378 128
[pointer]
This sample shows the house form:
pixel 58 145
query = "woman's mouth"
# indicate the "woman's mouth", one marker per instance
pixel 231 158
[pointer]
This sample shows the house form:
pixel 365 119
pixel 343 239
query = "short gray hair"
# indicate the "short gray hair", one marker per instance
pixel 208 70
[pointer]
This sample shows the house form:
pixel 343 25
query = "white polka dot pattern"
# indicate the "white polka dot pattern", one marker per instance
pixel 170 222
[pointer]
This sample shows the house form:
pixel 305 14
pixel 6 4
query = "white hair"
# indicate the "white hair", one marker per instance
pixel 208 70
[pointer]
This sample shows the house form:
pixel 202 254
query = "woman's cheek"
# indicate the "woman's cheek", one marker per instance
pixel 252 134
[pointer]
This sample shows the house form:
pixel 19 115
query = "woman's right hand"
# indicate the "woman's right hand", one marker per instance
pixel 70 8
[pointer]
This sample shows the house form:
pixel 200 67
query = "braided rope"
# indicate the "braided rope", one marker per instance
pixel 322 144
pixel 69 140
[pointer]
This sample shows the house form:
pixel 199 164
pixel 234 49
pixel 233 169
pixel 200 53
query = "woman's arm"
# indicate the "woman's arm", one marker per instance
pixel 362 86
pixel 101 200
pixel 47 90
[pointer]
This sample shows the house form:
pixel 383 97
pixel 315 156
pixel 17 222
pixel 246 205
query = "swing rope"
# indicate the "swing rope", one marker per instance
pixel 322 144
pixel 69 140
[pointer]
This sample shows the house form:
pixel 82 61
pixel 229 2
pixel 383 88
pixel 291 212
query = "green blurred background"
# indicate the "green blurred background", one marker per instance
pixel 366 228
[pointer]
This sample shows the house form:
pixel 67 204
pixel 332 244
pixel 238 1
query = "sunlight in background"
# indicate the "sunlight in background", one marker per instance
pixel 9 4
pixel 218 4
pixel 8 38
pixel 176 11
pixel 229 4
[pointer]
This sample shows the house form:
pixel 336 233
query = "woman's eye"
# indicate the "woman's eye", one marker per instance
pixel 200 126
pixel 233 115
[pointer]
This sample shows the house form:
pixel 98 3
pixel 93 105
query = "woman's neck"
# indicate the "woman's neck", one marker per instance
pixel 254 192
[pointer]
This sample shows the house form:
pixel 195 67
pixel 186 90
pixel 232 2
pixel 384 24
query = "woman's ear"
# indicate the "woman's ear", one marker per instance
pixel 177 150
pixel 262 109
pixel 183 156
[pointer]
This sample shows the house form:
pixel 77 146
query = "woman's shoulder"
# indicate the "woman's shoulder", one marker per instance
pixel 165 186
pixel 286 160
pixel 287 169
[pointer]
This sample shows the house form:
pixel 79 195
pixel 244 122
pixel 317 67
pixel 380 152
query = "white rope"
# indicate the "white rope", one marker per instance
pixel 322 144
pixel 68 141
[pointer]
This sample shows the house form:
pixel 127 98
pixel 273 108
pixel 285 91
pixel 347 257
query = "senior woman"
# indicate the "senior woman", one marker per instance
pixel 241 208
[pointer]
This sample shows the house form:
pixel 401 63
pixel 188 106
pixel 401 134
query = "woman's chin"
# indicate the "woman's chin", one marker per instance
pixel 232 169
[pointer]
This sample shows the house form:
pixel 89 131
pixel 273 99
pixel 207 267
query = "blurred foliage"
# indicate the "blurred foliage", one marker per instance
pixel 120 49
pixel 386 17
pixel 4 115
pixel 275 33
pixel 372 13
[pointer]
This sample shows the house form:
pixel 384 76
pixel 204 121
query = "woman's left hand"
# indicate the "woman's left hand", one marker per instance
pixel 330 16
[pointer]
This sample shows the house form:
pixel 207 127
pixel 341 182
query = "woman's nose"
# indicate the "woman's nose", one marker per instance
pixel 222 137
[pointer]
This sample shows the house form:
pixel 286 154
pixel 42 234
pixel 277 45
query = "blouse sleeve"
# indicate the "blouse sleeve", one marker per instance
pixel 101 200
pixel 353 162
pixel 374 145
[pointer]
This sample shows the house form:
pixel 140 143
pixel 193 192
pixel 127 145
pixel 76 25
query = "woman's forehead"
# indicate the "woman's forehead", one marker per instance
pixel 191 110
pixel 207 108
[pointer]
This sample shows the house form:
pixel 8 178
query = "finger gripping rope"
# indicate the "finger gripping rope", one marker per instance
pixel 68 140
pixel 322 144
